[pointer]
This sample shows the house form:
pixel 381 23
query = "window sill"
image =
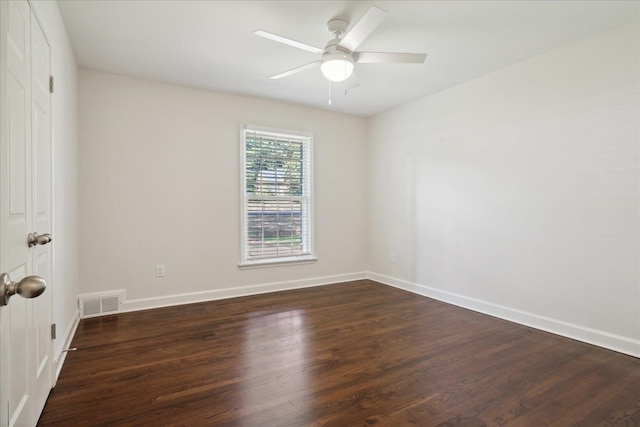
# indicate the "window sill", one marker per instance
pixel 247 265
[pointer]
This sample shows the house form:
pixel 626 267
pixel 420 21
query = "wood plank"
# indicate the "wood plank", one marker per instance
pixel 357 353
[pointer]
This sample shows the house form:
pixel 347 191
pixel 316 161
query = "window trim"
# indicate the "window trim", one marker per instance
pixel 281 261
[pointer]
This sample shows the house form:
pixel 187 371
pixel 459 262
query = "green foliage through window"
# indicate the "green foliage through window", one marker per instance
pixel 274 167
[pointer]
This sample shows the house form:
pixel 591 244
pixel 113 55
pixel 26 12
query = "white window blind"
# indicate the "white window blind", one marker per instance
pixel 277 195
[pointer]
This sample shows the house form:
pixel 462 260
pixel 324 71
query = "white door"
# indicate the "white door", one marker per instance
pixel 25 207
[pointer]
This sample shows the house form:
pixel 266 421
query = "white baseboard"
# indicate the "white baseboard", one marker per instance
pixel 59 354
pixel 179 299
pixel 600 338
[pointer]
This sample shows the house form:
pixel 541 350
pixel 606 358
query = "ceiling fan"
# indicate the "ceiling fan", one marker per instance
pixel 339 55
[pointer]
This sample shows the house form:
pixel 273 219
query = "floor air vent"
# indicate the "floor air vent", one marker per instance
pixel 100 304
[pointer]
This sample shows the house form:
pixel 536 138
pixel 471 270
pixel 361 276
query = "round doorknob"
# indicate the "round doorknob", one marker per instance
pixel 28 287
pixel 36 239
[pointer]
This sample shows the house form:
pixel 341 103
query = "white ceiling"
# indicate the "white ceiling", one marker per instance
pixel 211 45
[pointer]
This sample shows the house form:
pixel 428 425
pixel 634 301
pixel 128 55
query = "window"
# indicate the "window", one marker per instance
pixel 276 186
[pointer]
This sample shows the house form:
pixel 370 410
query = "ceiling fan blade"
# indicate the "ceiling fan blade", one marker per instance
pixel 297 70
pixel 289 42
pixel 388 58
pixel 363 28
pixel 352 82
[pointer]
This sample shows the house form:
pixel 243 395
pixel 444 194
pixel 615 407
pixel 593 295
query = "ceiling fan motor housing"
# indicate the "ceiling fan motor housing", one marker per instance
pixel 337 27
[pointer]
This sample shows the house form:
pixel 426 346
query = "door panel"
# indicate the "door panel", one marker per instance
pixel 17 147
pixel 25 206
pixel 18 58
pixel 18 64
pixel 19 373
pixel 42 268
pixel 15 204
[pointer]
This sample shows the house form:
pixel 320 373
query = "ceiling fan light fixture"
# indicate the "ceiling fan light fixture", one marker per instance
pixel 337 67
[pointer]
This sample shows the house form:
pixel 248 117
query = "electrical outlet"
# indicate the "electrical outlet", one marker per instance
pixel 392 257
pixel 160 270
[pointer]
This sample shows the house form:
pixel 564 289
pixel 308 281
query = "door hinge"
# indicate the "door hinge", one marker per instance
pixel 50 84
pixel 53 331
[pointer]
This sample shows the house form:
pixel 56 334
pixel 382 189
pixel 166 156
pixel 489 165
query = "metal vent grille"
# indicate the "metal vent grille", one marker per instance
pixel 110 304
pixel 92 305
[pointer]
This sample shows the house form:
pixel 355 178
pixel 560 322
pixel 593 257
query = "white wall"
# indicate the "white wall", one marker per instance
pixel 66 254
pixel 160 185
pixel 517 194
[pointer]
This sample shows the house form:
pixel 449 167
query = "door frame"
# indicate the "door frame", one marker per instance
pixel 50 287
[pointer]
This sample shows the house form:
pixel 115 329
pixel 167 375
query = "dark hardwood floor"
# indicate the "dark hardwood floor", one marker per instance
pixel 352 354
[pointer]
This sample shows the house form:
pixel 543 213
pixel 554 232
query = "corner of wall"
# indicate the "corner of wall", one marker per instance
pixel 596 337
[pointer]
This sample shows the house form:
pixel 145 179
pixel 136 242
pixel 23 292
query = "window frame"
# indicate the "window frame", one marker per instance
pixel 310 257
